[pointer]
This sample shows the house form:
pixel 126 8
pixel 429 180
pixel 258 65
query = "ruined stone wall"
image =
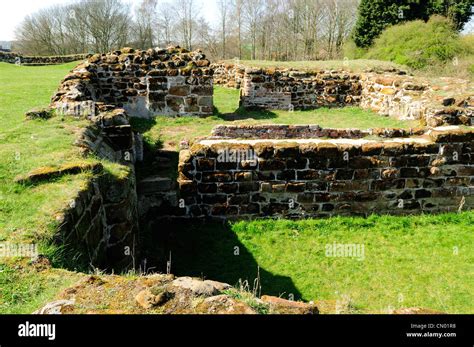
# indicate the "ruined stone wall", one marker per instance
pixel 15 58
pixel 228 75
pixel 410 98
pixel 169 81
pixel 286 90
pixel 393 94
pixel 298 178
pixel 276 131
pixel 102 220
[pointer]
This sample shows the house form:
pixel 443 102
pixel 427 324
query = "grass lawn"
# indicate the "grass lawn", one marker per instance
pixel 358 65
pixel 168 132
pixel 420 261
pixel 27 212
pixel 24 289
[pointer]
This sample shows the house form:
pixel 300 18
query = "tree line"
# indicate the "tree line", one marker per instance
pixel 243 29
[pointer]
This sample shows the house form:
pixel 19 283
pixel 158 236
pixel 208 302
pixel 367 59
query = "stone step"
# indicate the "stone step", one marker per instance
pixel 160 153
pixel 155 184
pixel 162 160
pixel 163 166
pixel 162 163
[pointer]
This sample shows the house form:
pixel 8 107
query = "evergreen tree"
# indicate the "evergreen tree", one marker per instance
pixel 376 15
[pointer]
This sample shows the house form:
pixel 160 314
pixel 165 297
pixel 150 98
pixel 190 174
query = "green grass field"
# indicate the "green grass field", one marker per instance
pixel 169 132
pixel 422 261
pixel 26 213
pixel 358 65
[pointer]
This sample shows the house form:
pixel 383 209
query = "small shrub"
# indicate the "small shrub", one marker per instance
pixel 418 44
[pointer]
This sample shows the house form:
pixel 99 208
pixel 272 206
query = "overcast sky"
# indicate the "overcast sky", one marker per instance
pixel 12 12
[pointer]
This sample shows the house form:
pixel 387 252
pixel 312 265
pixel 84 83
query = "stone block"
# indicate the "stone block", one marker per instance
pixel 271 165
pixel 308 175
pixel 205 164
pixel 295 187
pixel 207 188
pixel 154 184
pixel 216 177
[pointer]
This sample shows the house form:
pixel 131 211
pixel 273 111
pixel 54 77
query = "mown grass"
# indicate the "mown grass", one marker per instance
pixel 28 213
pixel 350 65
pixel 24 289
pixel 168 132
pixel 416 261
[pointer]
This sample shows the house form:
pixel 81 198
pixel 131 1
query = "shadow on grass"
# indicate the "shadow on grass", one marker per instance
pixel 245 113
pixel 210 251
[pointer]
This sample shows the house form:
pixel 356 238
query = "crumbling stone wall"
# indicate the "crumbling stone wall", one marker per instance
pixel 169 81
pixel 103 219
pixel 284 89
pixel 16 58
pixel 410 98
pixel 101 222
pixel 276 131
pixel 298 178
pixel 393 94
pixel 228 75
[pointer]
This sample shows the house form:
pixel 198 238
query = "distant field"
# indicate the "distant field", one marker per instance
pixel 358 65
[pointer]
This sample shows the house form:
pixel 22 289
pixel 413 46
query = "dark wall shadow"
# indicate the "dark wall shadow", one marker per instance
pixel 210 251
pixel 158 162
pixel 242 113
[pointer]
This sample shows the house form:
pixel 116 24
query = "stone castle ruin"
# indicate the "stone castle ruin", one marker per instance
pixel 264 171
pixel 392 93
pixel 306 171
pixel 19 59
pixel 170 81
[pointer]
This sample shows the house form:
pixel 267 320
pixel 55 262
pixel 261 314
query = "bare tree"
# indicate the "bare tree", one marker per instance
pixel 224 9
pixel 247 29
pixel 206 38
pixel 165 22
pixel 108 23
pixel 187 12
pixel 146 24
pixel 253 11
pixel 338 23
pixel 239 6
